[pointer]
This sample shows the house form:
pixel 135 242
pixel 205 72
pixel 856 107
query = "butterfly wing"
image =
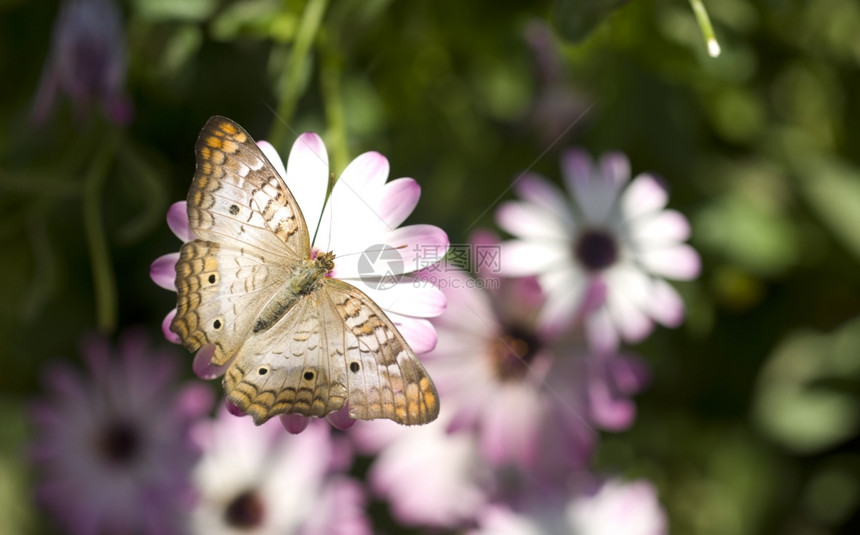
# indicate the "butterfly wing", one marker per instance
pixel 297 366
pixel 250 234
pixel 333 345
pixel 386 379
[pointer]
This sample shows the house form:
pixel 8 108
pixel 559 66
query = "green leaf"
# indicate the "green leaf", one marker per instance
pixel 794 406
pixel 187 10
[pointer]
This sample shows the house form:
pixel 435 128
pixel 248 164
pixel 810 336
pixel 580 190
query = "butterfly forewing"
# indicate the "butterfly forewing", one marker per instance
pixel 296 347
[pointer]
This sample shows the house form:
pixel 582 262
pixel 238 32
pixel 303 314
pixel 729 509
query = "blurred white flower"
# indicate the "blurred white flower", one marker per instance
pixel 601 258
pixel 263 480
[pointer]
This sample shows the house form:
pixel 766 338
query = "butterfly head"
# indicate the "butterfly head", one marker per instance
pixel 324 262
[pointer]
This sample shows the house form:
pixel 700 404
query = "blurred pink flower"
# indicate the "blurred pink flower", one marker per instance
pixel 113 449
pixel 601 258
pixel 86 62
pixel 531 395
pixel 428 476
pixel 614 508
pixel 263 480
pixel 362 213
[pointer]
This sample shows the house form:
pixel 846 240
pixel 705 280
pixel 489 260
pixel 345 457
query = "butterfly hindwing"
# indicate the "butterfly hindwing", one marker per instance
pixel 297 366
pixel 218 295
pixel 386 379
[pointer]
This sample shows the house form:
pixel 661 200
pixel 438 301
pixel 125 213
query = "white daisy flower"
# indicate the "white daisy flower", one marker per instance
pixel 360 224
pixel 602 257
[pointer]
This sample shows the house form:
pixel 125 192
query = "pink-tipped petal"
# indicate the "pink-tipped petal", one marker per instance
pixel 165 328
pixel 163 271
pixel 177 220
pixel 340 419
pixel 577 169
pixel 399 199
pixel 644 195
pixel 680 262
pixel 615 168
pixel 418 245
pixel 609 412
pixel 529 221
pixel 542 193
pixel 367 171
pixel 294 423
pixel 665 305
pixel 202 365
pixel 234 409
pixel 307 175
pixel 418 332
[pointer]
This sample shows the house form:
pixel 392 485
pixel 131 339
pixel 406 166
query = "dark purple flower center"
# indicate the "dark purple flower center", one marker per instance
pixel 246 511
pixel 512 352
pixel 120 442
pixel 596 249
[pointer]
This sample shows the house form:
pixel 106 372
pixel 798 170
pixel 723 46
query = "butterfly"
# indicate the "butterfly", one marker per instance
pixel 297 340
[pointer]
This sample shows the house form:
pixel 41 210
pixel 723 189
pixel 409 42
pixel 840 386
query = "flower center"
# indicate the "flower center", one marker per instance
pixel 246 511
pixel 512 352
pixel 596 249
pixel 120 442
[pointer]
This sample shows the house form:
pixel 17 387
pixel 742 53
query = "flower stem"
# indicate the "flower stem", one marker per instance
pixel 294 83
pixel 104 279
pixel 705 25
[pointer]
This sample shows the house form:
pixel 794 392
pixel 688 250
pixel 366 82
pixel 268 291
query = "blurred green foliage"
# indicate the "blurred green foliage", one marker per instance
pixel 751 425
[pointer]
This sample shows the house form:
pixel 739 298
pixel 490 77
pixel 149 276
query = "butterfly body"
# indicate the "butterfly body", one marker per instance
pixel 296 340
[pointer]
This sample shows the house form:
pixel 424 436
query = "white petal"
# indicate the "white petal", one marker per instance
pixel 307 176
pixel 422 300
pixel 665 305
pixel 594 194
pixel 519 258
pixel 666 227
pixel 680 262
pixel 644 195
pixel 565 293
pixel 529 221
pixel 353 217
pixel 630 321
pixel 539 191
